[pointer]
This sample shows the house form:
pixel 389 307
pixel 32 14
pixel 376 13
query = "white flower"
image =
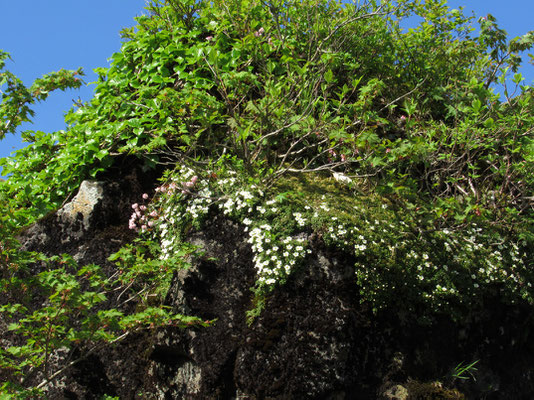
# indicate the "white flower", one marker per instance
pixel 342 178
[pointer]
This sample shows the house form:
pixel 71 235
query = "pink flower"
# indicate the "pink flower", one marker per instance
pixel 145 196
pixel 259 32
pixel 194 179
pixel 142 208
pixel 135 206
pixel 209 38
pixel 153 214
pixel 131 224
pixel 343 157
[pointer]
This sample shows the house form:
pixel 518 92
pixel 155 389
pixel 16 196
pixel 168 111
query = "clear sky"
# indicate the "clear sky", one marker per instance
pixel 46 35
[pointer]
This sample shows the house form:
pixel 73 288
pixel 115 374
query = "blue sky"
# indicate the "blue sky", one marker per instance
pixel 45 36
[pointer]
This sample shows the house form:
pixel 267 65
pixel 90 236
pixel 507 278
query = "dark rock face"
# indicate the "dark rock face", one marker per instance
pixel 90 227
pixel 314 339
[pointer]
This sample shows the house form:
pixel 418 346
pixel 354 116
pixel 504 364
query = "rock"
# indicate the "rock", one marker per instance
pixel 304 345
pixel 83 205
pixel 395 392
pixel 314 339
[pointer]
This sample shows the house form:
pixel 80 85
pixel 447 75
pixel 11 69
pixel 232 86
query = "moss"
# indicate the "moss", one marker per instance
pixel 431 391
pixel 343 202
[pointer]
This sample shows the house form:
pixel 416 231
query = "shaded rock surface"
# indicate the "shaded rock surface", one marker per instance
pixel 313 340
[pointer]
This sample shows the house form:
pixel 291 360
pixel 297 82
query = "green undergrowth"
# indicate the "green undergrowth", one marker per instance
pixel 434 267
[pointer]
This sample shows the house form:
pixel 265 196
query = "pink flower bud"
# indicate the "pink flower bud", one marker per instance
pixel 194 179
pixel 145 196
pixel 144 227
pixel 142 208
pixel 153 214
pixel 135 206
pixel 209 38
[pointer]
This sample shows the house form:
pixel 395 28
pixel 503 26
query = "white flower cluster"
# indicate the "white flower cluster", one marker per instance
pixel 167 242
pixel 436 262
pixel 237 202
pixel 348 238
pixel 200 203
pixel 185 197
pixel 490 262
pixel 274 259
pixel 439 261
pixel 301 221
pixel 237 198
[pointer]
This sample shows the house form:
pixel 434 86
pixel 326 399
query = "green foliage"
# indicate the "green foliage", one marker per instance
pixel 464 371
pixel 80 309
pixel 150 276
pixel 17 99
pixel 300 87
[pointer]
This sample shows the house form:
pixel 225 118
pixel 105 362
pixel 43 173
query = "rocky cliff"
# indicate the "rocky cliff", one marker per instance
pixel 314 338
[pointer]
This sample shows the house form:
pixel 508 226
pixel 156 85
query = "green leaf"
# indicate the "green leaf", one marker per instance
pixel 329 76
pixel 475 105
